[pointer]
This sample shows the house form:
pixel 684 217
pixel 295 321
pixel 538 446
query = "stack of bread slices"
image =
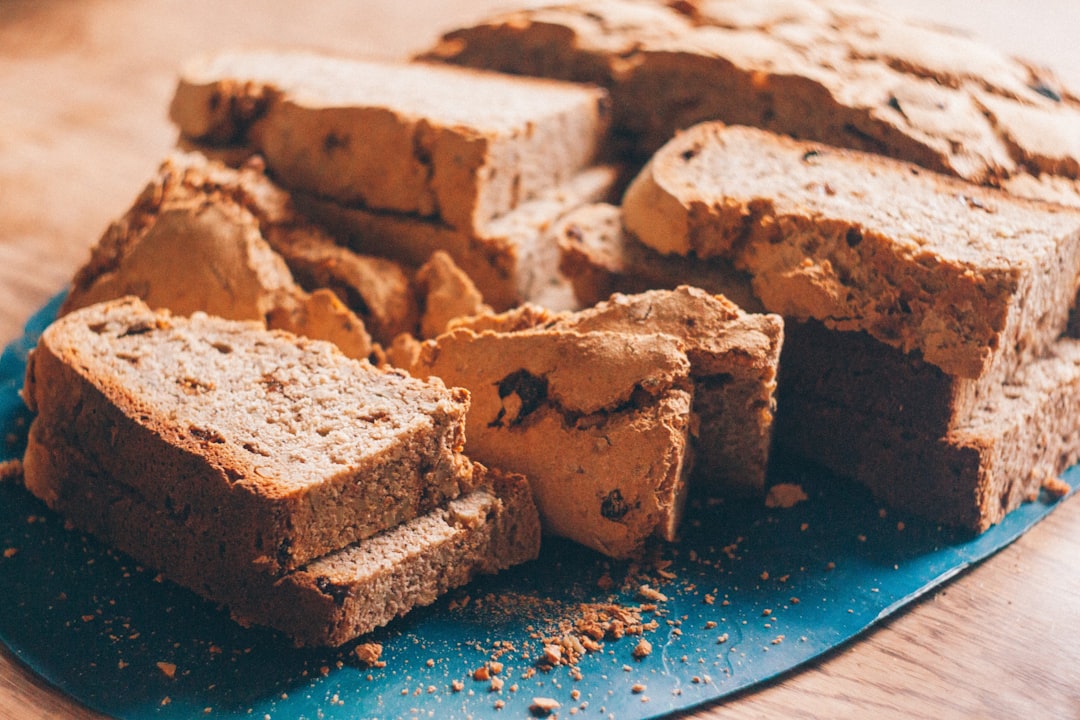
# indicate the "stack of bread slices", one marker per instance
pixel 359 285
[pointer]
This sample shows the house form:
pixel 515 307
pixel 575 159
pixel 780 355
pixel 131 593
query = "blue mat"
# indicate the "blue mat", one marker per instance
pixel 753 593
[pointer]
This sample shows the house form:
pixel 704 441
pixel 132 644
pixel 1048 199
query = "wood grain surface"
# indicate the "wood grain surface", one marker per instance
pixel 84 88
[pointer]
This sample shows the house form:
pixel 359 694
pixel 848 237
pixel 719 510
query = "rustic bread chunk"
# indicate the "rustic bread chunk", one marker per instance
pixel 841 73
pixel 972 279
pixel 331 599
pixel 865 411
pixel 447 293
pixel 281 447
pixel 733 364
pixel 457 145
pixel 599 258
pixel 511 260
pixel 597 421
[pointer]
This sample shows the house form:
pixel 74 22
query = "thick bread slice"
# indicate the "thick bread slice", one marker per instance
pixel 864 411
pixel 281 447
pixel 597 421
pixel 511 260
pixel 973 279
pixel 460 145
pixel 331 599
pixel 837 72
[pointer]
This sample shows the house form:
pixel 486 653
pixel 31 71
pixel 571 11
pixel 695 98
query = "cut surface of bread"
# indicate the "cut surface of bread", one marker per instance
pixel 456 144
pixel 598 421
pixel 971 279
pixel 283 447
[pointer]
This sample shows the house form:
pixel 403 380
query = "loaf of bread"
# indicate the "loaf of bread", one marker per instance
pixel 842 73
pixel 453 144
pixel 279 447
pixel 598 421
pixel 972 279
pixel 327 601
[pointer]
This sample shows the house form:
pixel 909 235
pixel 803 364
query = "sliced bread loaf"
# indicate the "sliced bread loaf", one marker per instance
pixel 327 601
pixel 283 448
pixel 458 145
pixel 972 279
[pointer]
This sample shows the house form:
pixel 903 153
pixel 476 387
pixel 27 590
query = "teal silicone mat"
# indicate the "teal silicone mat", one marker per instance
pixel 751 593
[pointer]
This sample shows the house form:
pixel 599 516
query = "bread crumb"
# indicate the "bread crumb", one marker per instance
pixel 647 593
pixel 457 685
pixel 722 639
pixel 167 669
pixel 544 706
pixel 11 552
pixel 11 470
pixel 369 653
pixel 481 673
pixel 785 495
pixel 496 685
pixel 642 649
pixel 1056 488
pixel 637 688
pixel 710 624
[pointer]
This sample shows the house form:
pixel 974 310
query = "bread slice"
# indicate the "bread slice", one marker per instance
pixel 842 73
pixel 280 447
pixel 457 145
pixel 733 366
pixel 973 280
pixel 329 600
pixel 511 260
pixel 598 421
pixel 865 411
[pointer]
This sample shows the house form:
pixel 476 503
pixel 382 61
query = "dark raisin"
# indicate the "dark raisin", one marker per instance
pixel 853 236
pixel 327 587
pixel 613 506
pixel 1046 91
pixel 530 389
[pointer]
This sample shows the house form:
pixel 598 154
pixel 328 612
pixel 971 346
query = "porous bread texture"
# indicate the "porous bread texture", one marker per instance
pixel 331 599
pixel 511 260
pixel 598 421
pixel 281 447
pixel 865 411
pixel 842 73
pixel 453 144
pixel 600 258
pixel 972 279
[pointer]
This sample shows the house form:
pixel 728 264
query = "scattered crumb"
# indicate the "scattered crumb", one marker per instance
pixel 496 685
pixel 1055 487
pixel 369 653
pixel 457 685
pixel 637 688
pixel 167 669
pixel 722 639
pixel 11 470
pixel 710 624
pixel 647 593
pixel 543 706
pixel 11 552
pixel 785 495
pixel 642 649
pixel 777 640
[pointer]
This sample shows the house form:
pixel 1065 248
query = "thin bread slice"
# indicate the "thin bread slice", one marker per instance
pixel 864 411
pixel 283 447
pixel 328 601
pixel 598 421
pixel 512 259
pixel 842 73
pixel 972 279
pixel 455 144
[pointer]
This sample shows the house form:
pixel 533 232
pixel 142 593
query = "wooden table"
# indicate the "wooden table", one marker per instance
pixel 84 88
